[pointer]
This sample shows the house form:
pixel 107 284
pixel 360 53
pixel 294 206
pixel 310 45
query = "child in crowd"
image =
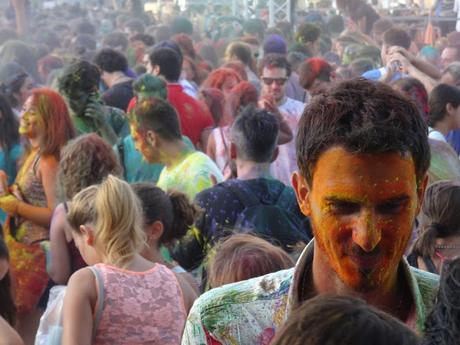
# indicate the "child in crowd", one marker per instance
pixel 342 320
pixel 243 256
pixel 167 217
pixel 139 302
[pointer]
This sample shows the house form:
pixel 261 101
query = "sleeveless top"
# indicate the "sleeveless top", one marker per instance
pixel 32 192
pixel 222 150
pixel 140 307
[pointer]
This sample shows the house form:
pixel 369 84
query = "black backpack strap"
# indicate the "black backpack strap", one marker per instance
pixel 246 198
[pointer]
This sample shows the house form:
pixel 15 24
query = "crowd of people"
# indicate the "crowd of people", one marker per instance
pixel 199 178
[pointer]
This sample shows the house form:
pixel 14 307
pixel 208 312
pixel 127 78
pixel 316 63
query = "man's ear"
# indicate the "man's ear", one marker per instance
pixel 275 154
pixel 302 192
pixel 233 151
pixel 449 109
pixel 151 138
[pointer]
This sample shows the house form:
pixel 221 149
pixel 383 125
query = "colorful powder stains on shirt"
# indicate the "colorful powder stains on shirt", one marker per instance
pixel 195 173
pixel 250 312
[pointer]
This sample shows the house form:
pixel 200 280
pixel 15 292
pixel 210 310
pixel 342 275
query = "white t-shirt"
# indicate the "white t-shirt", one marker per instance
pixel 436 135
pixel 286 163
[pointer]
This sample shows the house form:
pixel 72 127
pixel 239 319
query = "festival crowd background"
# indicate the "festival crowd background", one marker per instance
pixel 149 160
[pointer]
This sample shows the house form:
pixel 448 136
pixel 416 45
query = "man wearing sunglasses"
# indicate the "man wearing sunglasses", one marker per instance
pixel 274 74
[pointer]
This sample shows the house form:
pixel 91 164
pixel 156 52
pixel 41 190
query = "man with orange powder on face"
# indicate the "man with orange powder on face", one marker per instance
pixel 363 153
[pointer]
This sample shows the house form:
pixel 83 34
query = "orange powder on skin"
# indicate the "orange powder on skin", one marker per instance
pixel 368 181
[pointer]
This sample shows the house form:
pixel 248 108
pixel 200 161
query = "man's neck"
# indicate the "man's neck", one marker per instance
pixel 172 153
pixel 392 296
pixel 115 78
pixel 249 170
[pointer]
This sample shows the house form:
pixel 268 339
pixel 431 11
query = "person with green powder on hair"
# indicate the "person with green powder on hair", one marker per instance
pixel 136 169
pixel 79 84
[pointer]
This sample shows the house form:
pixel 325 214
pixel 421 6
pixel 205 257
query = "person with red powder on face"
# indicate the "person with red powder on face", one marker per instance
pixel 363 155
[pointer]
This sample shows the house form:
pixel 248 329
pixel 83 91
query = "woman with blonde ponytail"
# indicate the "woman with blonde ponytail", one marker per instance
pixel 121 298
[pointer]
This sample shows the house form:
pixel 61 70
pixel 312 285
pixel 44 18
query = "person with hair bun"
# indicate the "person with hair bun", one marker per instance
pixel 121 298
pixel 167 218
pixel 439 231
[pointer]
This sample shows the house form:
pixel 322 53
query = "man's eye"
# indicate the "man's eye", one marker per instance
pixel 344 207
pixel 390 207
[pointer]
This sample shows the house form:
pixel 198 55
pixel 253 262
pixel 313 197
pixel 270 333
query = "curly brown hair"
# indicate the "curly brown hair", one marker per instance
pixel 85 161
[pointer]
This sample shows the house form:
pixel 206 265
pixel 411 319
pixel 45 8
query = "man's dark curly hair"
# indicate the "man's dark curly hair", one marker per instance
pixel 363 117
pixel 81 76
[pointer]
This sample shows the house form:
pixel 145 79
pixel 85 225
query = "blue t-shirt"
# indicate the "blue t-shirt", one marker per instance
pixel 376 74
pixel 453 138
pixel 8 163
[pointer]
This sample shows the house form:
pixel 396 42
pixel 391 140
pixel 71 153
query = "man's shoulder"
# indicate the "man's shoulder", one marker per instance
pixel 254 299
pixel 292 105
pixel 427 282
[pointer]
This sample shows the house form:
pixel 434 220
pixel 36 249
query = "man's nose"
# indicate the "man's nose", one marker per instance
pixel 366 233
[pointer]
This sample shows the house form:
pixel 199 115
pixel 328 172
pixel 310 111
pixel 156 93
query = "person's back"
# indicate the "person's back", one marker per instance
pixel 196 172
pixel 255 201
pixel 140 307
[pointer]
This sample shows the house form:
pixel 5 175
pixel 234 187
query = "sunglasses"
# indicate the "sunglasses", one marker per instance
pixel 278 81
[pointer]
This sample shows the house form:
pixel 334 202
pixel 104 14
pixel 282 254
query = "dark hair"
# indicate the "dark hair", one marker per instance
pixel 343 320
pixel 241 50
pixel 363 117
pixel 9 135
pixel 335 25
pixel 7 307
pixel 135 25
pixel 12 78
pixel 440 96
pixel 255 134
pixel 116 39
pixel 368 12
pixel 169 62
pixel 307 32
pixel 275 61
pixel 147 39
pixel 397 37
pixel 82 76
pixel 439 217
pixel 157 115
pixel 173 209
pixel 111 60
pixel 441 325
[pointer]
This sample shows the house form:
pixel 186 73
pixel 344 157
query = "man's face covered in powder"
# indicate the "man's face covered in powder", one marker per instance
pixel 362 208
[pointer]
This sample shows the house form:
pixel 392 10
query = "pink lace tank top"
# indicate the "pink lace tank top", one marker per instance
pixel 140 307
